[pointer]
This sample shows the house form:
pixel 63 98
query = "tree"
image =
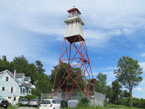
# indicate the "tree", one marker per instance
pixel 94 85
pixel 101 83
pixel 61 71
pixel 129 74
pixel 109 93
pixel 116 89
pixel 125 94
pixel 20 64
pixel 4 58
pixel 4 64
pixel 32 72
pixel 39 66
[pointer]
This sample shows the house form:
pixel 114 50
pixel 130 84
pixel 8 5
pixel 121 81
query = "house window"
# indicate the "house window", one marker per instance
pixel 3 88
pixel 7 78
pixel 11 89
pixel 29 91
pixel 14 98
pixel 21 91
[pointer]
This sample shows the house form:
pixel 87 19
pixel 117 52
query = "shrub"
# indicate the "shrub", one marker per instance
pixel 63 103
pixel 84 102
pixel 140 103
pixel 105 103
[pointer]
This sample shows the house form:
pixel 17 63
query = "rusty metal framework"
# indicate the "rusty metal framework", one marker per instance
pixel 75 54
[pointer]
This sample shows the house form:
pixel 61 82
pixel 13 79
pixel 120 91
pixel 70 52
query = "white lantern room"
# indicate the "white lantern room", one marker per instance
pixel 74 26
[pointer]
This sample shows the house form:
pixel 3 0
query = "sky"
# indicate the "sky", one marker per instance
pixel 113 28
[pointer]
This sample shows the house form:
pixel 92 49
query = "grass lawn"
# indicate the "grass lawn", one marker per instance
pixel 110 106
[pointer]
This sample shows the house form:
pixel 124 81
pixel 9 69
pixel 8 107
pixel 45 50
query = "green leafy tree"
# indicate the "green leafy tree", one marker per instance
pixel 101 83
pixel 116 89
pixel 32 72
pixel 4 58
pixel 39 66
pixel 93 84
pixel 109 93
pixel 4 64
pixel 43 83
pixel 129 74
pixel 125 94
pixel 20 64
pixel 61 71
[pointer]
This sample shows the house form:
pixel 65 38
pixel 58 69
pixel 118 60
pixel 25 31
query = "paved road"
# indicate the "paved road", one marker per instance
pixel 26 107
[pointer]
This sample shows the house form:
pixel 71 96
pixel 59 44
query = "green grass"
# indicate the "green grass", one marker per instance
pixel 11 107
pixel 120 107
pixel 110 106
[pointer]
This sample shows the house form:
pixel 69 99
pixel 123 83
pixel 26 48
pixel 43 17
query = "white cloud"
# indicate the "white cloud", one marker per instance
pixel 142 64
pixel 116 13
pixel 138 89
pixel 107 69
pixel 104 18
pixel 142 55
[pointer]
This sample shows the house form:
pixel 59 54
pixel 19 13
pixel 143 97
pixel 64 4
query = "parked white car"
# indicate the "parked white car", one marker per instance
pixel 49 104
pixel 34 102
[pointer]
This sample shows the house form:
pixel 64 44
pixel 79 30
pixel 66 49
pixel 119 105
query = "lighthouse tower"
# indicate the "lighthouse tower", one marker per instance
pixel 74 53
pixel 74 30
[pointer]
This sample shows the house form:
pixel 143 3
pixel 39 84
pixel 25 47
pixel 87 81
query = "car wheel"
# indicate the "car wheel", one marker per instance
pixel 5 107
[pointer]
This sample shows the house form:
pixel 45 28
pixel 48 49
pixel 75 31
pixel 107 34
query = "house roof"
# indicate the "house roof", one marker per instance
pixel 19 75
pixel 29 85
pixel 1 74
pixel 27 78
pixel 10 73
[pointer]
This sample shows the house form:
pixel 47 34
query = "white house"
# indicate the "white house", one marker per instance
pixel 13 88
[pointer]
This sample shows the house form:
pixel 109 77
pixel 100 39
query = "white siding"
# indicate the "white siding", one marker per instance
pixel 8 85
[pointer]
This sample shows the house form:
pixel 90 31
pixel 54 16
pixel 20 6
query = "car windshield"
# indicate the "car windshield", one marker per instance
pixel 1 98
pixel 4 101
pixel 24 99
pixel 55 101
pixel 34 100
pixel 45 102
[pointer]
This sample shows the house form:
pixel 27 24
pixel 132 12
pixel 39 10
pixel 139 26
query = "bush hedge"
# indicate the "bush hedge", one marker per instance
pixel 84 102
pixel 140 103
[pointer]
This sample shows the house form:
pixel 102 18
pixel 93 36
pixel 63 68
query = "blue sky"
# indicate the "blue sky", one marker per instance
pixel 113 28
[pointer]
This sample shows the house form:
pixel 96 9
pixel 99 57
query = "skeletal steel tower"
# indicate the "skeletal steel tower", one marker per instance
pixel 74 53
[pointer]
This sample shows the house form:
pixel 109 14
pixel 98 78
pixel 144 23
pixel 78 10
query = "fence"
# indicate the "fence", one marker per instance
pixel 95 97
pixel 63 95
